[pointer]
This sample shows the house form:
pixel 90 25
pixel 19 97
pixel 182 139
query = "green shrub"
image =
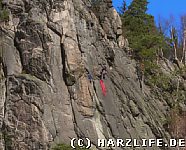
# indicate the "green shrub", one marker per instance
pixel 4 15
pixel 179 96
pixel 155 77
pixel 66 147
pixel 8 139
pixel 161 81
pixel 151 68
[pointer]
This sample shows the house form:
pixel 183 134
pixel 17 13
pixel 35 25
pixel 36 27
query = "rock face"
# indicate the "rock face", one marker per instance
pixel 45 94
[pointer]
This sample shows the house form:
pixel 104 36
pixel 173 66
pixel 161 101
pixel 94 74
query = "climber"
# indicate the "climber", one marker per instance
pixel 102 76
pixel 89 75
pixel 140 72
pixel 103 87
pixel 103 72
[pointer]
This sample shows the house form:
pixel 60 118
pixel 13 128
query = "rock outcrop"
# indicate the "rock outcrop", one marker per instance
pixel 45 95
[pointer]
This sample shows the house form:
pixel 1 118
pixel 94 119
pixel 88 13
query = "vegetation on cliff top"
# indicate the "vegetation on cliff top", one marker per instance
pixel 4 15
pixel 150 44
pixel 140 29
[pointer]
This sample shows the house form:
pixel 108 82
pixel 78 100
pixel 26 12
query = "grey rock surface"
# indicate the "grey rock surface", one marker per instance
pixel 45 94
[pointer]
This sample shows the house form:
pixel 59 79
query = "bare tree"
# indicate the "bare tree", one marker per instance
pixel 183 39
pixel 123 7
pixel 174 40
pixel 164 25
pixel 167 28
pixel 183 59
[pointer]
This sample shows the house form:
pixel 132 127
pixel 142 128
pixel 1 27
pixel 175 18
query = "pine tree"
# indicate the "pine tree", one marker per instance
pixel 139 28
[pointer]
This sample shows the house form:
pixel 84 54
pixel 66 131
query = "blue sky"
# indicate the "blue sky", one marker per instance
pixel 165 8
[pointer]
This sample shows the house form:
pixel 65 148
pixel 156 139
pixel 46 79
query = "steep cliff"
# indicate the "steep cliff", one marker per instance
pixel 47 46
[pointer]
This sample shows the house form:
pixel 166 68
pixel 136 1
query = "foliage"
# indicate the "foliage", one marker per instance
pixel 182 72
pixel 167 86
pixel 161 81
pixel 8 139
pixel 171 119
pixel 139 28
pixel 4 15
pixel 148 42
pixel 153 75
pixel 66 147
pixel 151 68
